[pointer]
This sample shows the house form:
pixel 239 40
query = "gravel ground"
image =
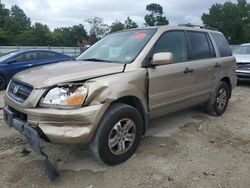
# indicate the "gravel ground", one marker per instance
pixel 184 149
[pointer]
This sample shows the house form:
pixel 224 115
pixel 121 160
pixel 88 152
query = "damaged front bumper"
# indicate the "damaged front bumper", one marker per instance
pixel 53 125
pixel 33 139
pixel 76 126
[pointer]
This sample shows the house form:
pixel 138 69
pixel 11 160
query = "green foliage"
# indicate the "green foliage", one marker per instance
pixel 4 20
pixel 233 19
pixel 78 33
pixel 69 36
pixel 41 35
pixel 119 26
pixel 97 29
pixel 155 17
pixel 130 24
pixel 19 20
pixel 16 29
pixel 116 26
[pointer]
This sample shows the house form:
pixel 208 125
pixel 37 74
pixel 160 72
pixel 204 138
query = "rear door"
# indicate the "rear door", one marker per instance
pixel 225 60
pixel 202 56
pixel 171 86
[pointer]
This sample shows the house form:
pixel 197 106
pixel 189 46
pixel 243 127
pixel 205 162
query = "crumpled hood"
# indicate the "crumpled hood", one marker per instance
pixel 242 58
pixel 49 75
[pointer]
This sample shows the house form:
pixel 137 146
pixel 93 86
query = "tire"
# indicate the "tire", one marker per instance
pixel 3 83
pixel 218 101
pixel 107 144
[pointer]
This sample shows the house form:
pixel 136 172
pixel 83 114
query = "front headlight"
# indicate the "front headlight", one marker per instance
pixel 70 96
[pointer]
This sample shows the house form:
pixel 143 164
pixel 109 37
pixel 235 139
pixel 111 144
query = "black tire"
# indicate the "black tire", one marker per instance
pixel 3 83
pixel 215 108
pixel 100 143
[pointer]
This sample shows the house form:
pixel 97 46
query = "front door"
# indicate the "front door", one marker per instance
pixel 171 86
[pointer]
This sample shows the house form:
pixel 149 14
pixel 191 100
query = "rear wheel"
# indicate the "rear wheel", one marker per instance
pixel 118 135
pixel 3 83
pixel 217 104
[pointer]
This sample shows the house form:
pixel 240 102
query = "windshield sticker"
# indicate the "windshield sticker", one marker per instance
pixel 128 58
pixel 114 52
pixel 140 36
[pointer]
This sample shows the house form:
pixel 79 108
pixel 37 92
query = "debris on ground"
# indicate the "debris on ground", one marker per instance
pixel 207 173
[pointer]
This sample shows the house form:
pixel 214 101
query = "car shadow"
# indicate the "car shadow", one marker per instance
pixel 243 83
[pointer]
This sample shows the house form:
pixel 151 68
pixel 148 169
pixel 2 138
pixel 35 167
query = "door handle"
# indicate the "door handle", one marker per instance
pixel 217 65
pixel 188 70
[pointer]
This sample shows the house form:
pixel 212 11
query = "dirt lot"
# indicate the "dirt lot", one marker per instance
pixel 184 149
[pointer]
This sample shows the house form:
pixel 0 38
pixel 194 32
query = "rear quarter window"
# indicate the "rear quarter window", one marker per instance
pixel 222 44
pixel 46 55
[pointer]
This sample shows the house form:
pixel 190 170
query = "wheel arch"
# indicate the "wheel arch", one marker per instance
pixel 136 103
pixel 229 83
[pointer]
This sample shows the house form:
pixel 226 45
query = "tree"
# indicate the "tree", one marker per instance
pixel 17 26
pixel 97 29
pixel 62 37
pixel 69 36
pixel 41 35
pixel 79 34
pixel 232 19
pixel 4 15
pixel 119 26
pixel 156 15
pixel 130 24
pixel 4 19
pixel 116 26
pixel 19 19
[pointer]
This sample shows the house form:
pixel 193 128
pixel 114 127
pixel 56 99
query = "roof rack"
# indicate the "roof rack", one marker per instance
pixel 199 26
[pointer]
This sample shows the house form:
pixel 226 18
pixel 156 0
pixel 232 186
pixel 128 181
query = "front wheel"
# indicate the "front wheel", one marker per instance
pixel 218 101
pixel 118 135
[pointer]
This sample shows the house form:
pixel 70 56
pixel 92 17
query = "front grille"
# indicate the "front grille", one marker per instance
pixel 19 91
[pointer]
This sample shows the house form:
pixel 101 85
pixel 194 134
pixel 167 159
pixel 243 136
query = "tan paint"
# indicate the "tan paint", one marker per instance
pixel 49 75
pixel 169 90
pixel 162 58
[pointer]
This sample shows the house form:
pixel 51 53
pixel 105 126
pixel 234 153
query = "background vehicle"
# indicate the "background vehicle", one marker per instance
pixel 242 55
pixel 17 61
pixel 106 97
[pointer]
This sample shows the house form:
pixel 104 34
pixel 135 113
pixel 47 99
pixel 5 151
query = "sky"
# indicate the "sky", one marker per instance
pixel 64 13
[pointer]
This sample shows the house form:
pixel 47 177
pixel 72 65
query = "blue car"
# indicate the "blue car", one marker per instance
pixel 17 61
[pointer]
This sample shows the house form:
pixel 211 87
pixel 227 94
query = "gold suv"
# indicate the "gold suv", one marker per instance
pixel 106 97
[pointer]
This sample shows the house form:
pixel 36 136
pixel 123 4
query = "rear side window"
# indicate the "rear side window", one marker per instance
pixel 46 55
pixel 222 44
pixel 174 42
pixel 200 47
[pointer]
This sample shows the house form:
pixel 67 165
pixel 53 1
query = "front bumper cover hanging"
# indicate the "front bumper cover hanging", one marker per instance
pixel 33 139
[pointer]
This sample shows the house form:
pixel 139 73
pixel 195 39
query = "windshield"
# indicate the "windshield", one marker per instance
pixel 242 50
pixel 4 57
pixel 122 47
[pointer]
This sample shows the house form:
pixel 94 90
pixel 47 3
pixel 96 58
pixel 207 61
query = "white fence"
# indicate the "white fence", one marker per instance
pixel 71 51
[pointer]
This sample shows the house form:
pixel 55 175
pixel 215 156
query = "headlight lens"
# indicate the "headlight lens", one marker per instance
pixel 70 96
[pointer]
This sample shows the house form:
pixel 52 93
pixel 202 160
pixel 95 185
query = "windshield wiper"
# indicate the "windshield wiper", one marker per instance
pixel 97 60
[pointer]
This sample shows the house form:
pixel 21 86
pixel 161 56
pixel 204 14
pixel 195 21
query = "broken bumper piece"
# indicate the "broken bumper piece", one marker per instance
pixel 33 140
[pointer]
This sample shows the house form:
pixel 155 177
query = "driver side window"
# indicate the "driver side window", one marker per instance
pixel 174 42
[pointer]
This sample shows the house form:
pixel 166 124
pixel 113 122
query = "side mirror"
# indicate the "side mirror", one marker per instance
pixel 162 58
pixel 10 61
